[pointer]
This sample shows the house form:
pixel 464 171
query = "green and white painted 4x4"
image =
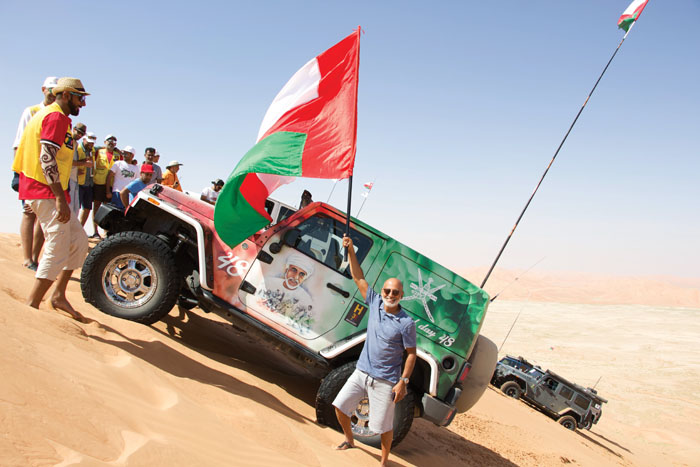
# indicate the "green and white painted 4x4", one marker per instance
pixel 290 285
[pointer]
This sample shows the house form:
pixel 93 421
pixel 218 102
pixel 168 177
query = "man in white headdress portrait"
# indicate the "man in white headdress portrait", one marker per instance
pixel 286 295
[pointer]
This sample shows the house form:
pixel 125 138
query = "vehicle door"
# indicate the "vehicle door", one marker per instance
pixel 547 392
pixel 300 282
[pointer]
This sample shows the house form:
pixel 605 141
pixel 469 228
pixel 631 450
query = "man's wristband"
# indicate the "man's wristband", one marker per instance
pixel 405 380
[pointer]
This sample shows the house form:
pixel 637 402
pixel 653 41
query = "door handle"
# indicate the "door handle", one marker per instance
pixel 338 289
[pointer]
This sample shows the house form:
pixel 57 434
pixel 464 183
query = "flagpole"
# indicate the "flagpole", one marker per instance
pixel 554 157
pixel 347 221
pixel 363 201
pixel 362 205
pixel 331 193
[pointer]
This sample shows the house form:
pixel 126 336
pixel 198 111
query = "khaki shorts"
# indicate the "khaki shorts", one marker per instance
pixel 381 400
pixel 66 244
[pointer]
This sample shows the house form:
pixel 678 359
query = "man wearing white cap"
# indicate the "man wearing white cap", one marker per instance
pixel 170 176
pixel 44 159
pixel 121 174
pixel 30 233
pixel 85 156
pixel 286 298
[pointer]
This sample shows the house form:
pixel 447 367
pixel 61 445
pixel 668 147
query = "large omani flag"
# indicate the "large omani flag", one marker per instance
pixel 631 14
pixel 309 131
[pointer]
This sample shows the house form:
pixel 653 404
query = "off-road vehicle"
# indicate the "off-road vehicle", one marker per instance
pixel 290 287
pixel 573 406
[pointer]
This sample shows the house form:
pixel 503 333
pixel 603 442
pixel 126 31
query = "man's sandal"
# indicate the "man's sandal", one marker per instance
pixel 345 445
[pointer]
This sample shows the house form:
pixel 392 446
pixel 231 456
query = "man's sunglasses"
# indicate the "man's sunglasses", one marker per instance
pixel 391 292
pixel 82 97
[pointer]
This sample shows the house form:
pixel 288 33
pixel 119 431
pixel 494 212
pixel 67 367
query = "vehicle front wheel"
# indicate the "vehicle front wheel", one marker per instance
pixel 511 389
pixel 568 422
pixel 325 411
pixel 131 275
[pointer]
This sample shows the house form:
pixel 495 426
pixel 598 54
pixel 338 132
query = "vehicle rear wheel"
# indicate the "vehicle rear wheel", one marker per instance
pixel 568 422
pixel 511 389
pixel 131 275
pixel 325 411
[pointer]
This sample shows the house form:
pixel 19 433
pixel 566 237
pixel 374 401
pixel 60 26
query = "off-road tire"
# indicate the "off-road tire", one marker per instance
pixel 483 359
pixel 568 422
pixel 511 389
pixel 151 267
pixel 325 412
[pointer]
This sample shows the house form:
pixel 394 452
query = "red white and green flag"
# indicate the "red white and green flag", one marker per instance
pixel 631 14
pixel 309 130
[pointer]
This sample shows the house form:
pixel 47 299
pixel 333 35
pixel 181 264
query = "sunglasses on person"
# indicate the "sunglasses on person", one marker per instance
pixel 82 97
pixel 391 292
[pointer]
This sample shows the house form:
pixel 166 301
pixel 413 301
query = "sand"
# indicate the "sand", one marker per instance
pixel 192 391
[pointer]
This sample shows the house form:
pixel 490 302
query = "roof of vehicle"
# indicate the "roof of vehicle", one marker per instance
pixel 578 388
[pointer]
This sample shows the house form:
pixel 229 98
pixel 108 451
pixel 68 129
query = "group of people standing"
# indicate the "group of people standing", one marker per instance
pixel 61 175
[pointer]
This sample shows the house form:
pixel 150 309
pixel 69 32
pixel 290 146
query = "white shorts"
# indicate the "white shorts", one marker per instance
pixel 66 244
pixel 381 400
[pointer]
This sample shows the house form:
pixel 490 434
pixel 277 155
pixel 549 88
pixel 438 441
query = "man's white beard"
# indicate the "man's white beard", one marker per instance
pixel 290 286
pixel 390 302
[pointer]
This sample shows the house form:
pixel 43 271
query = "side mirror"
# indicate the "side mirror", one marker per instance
pixel 291 237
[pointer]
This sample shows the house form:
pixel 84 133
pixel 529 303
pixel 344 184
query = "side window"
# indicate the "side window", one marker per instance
pixel 322 239
pixel 581 401
pixel 551 384
pixel 269 206
pixel 566 393
pixel 284 213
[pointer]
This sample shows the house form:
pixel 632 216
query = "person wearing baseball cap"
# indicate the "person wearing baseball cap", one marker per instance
pixel 130 191
pixel 30 233
pixel 44 159
pixel 121 174
pixel 79 130
pixel 211 193
pixel 86 162
pixel 170 176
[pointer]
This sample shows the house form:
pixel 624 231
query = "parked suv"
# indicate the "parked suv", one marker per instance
pixel 290 287
pixel 573 406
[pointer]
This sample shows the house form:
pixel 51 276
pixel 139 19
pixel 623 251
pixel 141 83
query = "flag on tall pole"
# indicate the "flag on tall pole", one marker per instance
pixel 626 21
pixel 365 195
pixel 631 14
pixel 310 130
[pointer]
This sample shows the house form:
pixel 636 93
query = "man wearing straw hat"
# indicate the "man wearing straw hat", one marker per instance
pixel 44 159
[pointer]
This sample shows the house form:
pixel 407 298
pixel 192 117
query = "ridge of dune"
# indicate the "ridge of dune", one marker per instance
pixel 586 288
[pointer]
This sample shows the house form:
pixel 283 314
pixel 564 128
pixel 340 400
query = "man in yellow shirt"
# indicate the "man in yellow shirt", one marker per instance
pixel 43 161
pixel 104 160
pixel 170 176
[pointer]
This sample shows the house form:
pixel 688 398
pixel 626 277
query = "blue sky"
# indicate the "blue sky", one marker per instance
pixel 461 106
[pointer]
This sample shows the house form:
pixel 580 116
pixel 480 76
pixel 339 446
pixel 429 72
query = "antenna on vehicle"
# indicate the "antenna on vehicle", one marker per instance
pixel 515 321
pixel 537 187
pixel 513 281
pixel 596 383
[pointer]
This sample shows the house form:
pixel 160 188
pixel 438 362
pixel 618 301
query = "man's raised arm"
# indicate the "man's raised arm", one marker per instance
pixel 355 270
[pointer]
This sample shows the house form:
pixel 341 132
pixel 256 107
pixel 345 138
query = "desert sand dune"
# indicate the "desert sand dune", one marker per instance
pixel 192 390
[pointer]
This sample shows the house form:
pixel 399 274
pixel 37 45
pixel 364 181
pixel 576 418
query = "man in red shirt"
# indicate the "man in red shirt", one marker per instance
pixel 44 160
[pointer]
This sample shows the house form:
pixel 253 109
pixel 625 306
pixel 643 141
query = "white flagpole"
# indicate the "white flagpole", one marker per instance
pixel 331 194
pixel 365 195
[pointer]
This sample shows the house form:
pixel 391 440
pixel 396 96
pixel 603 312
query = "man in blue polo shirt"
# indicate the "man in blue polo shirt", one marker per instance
pixel 378 374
